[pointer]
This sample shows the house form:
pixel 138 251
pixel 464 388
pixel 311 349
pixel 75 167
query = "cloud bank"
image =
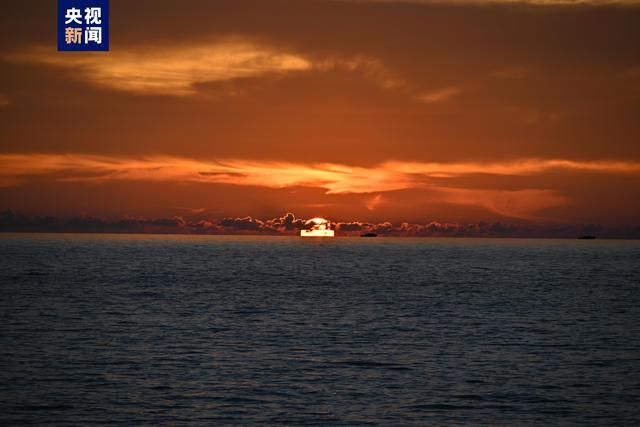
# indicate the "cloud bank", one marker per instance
pixel 435 180
pixel 334 178
pixel 289 225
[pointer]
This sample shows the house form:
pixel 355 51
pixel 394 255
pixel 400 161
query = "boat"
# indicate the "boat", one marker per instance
pixel 587 237
pixel 368 235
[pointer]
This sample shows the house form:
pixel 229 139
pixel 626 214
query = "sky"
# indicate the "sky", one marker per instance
pixel 405 115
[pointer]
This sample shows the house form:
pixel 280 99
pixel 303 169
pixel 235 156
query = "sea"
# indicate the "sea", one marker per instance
pixel 241 330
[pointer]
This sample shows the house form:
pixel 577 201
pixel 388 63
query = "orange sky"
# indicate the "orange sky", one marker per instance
pixel 400 111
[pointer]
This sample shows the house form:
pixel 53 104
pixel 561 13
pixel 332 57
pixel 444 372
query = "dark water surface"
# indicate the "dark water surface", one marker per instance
pixel 284 331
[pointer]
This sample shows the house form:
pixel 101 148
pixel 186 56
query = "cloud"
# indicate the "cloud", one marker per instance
pixel 516 167
pixel 334 178
pixel 508 203
pixel 435 227
pixel 440 95
pixel 353 226
pixel 373 202
pixel 172 70
pixel 241 224
pixel 287 222
pixel 16 221
pixel 191 210
pixel 177 70
pixel 16 169
pixel 372 68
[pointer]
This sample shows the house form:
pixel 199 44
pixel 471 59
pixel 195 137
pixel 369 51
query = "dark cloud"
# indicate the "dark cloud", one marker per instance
pixel 15 221
pixel 435 227
pixel 499 229
pixel 347 227
pixel 241 224
pixel 288 224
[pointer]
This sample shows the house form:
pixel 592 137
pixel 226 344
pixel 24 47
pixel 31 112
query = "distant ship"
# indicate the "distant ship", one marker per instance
pixel 319 227
pixel 368 235
pixel 586 237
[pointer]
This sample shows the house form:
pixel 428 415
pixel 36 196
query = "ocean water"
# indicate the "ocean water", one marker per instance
pixel 200 330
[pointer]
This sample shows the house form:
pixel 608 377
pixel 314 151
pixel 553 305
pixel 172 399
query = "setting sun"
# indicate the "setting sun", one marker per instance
pixel 319 227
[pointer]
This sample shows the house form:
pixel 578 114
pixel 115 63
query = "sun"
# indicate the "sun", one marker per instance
pixel 318 227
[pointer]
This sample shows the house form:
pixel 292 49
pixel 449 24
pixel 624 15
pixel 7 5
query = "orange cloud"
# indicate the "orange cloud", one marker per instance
pixel 373 202
pixel 176 70
pixel 513 203
pixel 440 94
pixel 173 70
pixel 517 167
pixel 334 178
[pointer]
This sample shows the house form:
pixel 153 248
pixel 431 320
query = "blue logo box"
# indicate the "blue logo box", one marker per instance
pixel 83 25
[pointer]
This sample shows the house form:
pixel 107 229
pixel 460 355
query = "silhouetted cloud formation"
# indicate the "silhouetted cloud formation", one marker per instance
pixel 288 224
pixel 241 224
